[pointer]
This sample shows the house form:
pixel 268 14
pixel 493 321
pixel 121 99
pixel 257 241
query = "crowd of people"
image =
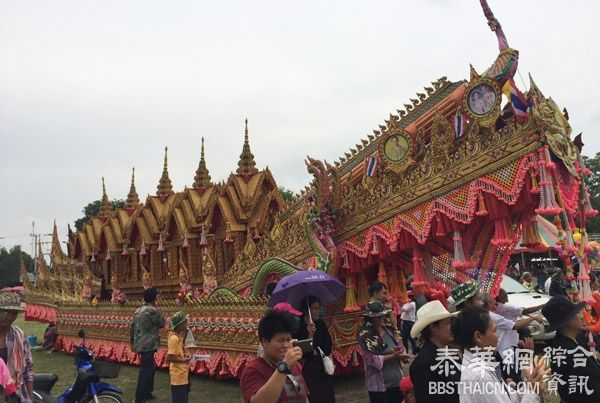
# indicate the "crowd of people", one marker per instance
pixel 549 280
pixel 417 352
pixel 480 353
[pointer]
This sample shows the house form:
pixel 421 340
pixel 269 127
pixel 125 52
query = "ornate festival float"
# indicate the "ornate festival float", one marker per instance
pixel 442 192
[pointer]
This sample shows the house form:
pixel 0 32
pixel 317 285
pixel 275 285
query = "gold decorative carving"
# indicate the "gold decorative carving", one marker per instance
pixel 277 233
pixel 556 131
pixel 442 138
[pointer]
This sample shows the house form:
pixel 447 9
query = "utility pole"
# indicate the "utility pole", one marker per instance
pixel 36 239
pixel 33 243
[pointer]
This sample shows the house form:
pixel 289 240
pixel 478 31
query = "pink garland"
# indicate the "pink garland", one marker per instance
pixel 40 313
pixel 361 245
pixel 221 364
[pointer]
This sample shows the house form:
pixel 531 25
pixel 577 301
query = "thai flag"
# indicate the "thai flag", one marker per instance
pixel 372 163
pixel 460 124
pixel 519 104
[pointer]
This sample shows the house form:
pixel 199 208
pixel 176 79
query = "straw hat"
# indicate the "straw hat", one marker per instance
pixel 429 313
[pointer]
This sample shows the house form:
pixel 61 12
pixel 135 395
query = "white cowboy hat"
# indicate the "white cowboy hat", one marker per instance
pixel 429 313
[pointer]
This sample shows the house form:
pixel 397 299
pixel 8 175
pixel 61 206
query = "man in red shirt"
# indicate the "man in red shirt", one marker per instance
pixel 276 377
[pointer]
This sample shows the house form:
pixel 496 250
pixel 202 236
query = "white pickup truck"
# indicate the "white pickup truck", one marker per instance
pixel 519 295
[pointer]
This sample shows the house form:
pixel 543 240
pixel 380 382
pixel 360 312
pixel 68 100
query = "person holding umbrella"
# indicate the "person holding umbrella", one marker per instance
pixel 296 287
pixel 319 383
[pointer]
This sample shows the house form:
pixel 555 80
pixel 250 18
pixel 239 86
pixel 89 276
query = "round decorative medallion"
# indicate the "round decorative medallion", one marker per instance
pixel 395 149
pixel 482 101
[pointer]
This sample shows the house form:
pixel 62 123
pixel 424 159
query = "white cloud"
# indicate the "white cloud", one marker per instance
pixel 89 89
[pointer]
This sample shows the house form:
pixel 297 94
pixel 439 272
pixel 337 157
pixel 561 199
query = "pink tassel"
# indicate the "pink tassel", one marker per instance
pixel 382 275
pixel 587 205
pixel 160 244
pixel 203 240
pixel 535 188
pixel 375 250
pixel 459 262
pixel 419 278
pixel 482 211
pixel 439 232
pixel 548 204
pixel 186 243
pixel 345 260
pixel 501 237
pixel 125 251
pixel 143 249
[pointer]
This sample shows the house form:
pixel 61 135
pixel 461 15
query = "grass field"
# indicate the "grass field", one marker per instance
pixel 349 389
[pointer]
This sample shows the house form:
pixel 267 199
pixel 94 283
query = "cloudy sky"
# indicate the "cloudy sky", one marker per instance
pixel 93 88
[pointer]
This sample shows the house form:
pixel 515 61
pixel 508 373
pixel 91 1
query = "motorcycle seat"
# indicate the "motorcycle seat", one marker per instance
pixel 44 382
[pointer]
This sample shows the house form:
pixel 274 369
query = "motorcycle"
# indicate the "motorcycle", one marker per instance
pixel 87 387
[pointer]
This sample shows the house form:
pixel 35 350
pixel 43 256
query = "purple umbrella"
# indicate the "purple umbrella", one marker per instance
pixel 297 286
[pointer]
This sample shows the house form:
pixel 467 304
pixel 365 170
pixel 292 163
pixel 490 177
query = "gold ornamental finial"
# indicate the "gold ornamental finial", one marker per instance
pixel 246 165
pixel 132 197
pixel 534 89
pixel 202 178
pixel 164 187
pixel 56 253
pixel 105 206
pixel 23 273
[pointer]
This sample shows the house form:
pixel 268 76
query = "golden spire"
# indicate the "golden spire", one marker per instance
pixel 132 197
pixel 202 178
pixel 43 275
pixel 164 187
pixel 23 273
pixel 56 253
pixel 105 206
pixel 247 165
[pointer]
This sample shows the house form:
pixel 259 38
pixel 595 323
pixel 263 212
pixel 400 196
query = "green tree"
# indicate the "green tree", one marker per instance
pixel 287 194
pixel 92 210
pixel 593 183
pixel 10 263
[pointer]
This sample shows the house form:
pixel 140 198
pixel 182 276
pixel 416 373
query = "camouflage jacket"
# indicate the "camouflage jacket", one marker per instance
pixel 146 323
